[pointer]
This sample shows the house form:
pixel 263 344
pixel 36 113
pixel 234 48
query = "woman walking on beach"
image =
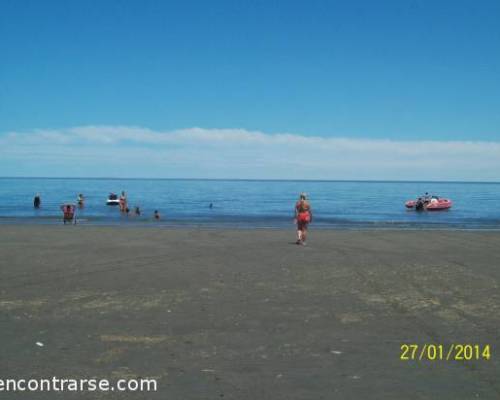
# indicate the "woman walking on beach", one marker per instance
pixel 303 216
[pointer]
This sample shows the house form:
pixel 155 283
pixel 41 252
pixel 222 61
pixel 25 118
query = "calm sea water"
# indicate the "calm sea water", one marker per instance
pixel 248 204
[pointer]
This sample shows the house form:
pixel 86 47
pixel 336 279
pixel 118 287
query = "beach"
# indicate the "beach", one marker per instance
pixel 247 314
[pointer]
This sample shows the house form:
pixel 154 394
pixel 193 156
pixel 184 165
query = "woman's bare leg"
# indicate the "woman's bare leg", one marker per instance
pixel 304 235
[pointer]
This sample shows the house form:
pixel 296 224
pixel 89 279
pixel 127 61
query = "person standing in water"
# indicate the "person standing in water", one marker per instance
pixel 303 216
pixel 123 202
pixel 80 200
pixel 37 201
pixel 68 214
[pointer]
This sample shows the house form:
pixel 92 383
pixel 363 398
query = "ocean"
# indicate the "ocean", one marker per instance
pixel 252 203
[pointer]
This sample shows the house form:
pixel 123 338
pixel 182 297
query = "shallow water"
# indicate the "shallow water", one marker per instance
pixel 249 203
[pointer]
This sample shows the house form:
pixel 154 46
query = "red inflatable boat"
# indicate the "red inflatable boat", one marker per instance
pixel 432 204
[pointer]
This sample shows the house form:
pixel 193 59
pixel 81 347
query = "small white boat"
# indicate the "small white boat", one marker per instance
pixel 113 200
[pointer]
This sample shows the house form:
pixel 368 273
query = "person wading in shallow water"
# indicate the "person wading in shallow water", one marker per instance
pixel 303 216
pixel 123 202
pixel 37 201
pixel 80 200
pixel 68 214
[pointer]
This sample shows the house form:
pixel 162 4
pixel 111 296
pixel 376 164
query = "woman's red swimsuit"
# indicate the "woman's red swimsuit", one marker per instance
pixel 303 214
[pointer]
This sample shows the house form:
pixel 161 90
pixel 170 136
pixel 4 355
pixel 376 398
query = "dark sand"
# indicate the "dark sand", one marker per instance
pixel 248 314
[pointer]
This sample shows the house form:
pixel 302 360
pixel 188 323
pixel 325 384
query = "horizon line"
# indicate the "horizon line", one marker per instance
pixel 253 179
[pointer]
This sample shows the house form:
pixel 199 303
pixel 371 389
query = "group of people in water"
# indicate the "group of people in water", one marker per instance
pixel 69 210
pixel 124 208
pixel 302 217
pixel 302 213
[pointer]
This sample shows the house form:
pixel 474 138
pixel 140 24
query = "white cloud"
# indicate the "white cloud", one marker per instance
pixel 238 153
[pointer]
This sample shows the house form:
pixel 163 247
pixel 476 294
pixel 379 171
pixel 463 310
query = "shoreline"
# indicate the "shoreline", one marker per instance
pixel 250 225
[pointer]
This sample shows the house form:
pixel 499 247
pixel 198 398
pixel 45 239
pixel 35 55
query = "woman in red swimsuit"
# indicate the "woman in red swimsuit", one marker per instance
pixel 303 216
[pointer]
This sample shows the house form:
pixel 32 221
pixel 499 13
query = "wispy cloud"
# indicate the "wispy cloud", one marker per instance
pixel 238 153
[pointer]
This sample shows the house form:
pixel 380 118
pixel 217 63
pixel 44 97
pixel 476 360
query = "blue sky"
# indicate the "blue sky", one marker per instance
pixel 403 71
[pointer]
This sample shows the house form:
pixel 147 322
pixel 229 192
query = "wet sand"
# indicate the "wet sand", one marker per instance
pixel 248 314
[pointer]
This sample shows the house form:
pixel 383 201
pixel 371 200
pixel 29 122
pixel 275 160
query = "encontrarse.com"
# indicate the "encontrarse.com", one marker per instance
pixel 55 384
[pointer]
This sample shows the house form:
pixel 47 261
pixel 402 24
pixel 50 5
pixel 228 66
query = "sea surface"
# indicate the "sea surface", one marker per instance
pixel 252 203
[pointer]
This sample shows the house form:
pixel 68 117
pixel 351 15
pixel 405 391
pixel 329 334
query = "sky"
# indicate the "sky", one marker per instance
pixel 396 90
